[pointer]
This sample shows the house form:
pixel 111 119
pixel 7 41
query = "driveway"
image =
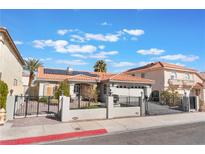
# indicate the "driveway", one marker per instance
pixel 158 109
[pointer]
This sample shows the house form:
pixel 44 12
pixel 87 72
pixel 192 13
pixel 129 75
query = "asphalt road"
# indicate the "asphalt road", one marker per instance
pixel 173 135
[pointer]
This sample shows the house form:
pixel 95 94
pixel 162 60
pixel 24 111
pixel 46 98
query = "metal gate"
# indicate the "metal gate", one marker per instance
pixel 192 100
pixel 25 106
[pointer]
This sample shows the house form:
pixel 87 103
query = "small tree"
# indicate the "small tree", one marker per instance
pixel 3 94
pixel 64 87
pixel 93 94
pixel 170 96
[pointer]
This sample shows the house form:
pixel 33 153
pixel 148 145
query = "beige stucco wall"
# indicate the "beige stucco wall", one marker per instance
pixel 47 88
pixel 157 76
pixel 10 67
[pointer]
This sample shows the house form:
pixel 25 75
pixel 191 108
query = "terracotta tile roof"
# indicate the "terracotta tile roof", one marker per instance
pixel 82 77
pixel 198 85
pixel 91 77
pixel 202 74
pixel 128 78
pixel 160 65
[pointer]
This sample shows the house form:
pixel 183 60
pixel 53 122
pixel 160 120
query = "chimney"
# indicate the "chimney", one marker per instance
pixel 69 70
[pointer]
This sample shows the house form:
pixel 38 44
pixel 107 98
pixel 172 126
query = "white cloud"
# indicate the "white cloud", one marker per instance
pixel 71 62
pixel 59 45
pixel 106 24
pixel 80 49
pixel 103 54
pixel 123 64
pixel 77 38
pixel 62 46
pixel 45 59
pixel 18 42
pixel 79 56
pixel 108 60
pixel 152 51
pixel 65 31
pixel 135 32
pixel 101 47
pixel 62 31
pixel 181 57
pixel 129 64
pixel 99 55
pixel 101 37
pixel 134 38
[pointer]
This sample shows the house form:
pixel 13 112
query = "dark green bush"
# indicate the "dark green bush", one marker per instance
pixel 64 87
pixel 3 94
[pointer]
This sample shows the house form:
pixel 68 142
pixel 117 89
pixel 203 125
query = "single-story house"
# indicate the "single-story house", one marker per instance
pixel 81 82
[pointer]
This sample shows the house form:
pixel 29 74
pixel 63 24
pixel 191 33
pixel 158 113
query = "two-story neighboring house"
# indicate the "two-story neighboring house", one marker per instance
pixel 11 63
pixel 185 80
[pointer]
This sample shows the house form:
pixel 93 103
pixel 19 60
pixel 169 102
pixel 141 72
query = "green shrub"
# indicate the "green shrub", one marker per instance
pixel 43 99
pixel 3 94
pixel 64 87
pixel 170 97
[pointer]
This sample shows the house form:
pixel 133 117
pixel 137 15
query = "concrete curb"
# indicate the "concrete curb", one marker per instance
pixel 53 137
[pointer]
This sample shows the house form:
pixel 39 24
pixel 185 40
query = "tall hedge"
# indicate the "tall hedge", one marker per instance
pixel 64 87
pixel 3 94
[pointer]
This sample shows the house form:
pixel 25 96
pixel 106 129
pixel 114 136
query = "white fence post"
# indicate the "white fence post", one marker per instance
pixel 142 105
pixel 110 106
pixel 10 102
pixel 197 103
pixel 64 108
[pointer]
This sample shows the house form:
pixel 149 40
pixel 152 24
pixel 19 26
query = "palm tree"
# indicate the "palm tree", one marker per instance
pixel 100 66
pixel 32 65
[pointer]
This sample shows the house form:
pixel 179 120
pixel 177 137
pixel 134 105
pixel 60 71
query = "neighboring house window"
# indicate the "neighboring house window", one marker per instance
pixel 173 75
pixel 142 75
pixel 76 88
pixel 15 82
pixel 187 76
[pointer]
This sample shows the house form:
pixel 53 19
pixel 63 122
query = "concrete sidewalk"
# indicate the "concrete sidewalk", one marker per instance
pixel 113 125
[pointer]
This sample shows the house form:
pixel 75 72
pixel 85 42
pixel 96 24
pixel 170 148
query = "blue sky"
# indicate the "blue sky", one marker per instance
pixel 123 38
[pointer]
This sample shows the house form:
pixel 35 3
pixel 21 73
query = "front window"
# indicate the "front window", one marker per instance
pixel 173 75
pixel 76 88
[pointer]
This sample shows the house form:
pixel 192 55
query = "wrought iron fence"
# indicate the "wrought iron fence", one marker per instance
pixel 85 103
pixel 35 105
pixel 126 101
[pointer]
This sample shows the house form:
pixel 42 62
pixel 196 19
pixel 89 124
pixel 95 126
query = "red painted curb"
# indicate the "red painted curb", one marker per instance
pixel 36 139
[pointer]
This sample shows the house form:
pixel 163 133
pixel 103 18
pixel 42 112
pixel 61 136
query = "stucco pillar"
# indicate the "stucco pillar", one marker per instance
pixel 110 106
pixel 10 102
pixel 142 105
pixel 71 89
pixel 65 108
pixel 41 89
